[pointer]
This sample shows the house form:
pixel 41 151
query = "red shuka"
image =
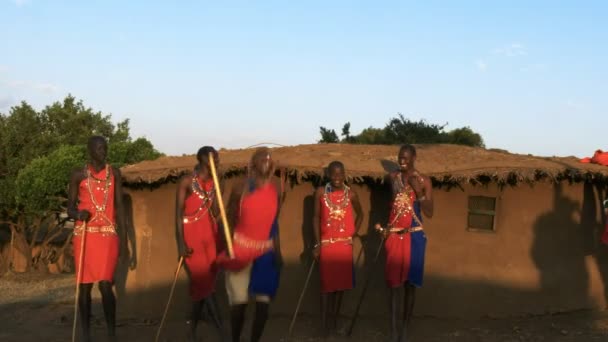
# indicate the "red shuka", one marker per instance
pixel 96 195
pixel 201 235
pixel 336 259
pixel 257 213
pixel 398 246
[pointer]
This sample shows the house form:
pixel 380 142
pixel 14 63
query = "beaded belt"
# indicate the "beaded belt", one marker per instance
pixel 405 230
pixel 246 242
pixel 348 240
pixel 106 230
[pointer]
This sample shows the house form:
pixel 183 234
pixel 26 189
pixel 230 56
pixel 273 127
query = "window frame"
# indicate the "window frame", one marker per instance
pixel 492 213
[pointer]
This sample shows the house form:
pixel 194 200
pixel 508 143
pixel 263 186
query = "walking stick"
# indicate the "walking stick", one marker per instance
pixel 218 195
pixel 367 280
pixel 78 278
pixel 295 314
pixel 162 321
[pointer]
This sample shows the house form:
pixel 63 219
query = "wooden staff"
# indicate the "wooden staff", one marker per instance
pixel 369 273
pixel 218 195
pixel 78 278
pixel 295 314
pixel 162 321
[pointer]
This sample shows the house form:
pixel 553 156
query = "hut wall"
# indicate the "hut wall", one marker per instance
pixel 542 256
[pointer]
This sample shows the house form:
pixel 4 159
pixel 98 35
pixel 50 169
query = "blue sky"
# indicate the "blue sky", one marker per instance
pixel 530 76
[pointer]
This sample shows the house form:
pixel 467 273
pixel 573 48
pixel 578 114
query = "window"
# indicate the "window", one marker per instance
pixel 482 211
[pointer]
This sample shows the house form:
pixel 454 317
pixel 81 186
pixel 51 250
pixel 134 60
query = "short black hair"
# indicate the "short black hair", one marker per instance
pixel 408 147
pixel 96 139
pixel 335 164
pixel 204 152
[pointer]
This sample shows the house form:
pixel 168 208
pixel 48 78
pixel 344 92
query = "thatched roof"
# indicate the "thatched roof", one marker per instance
pixel 445 164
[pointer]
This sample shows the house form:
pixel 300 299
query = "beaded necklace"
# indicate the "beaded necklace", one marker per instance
pixel 403 203
pixel 100 208
pixel 206 196
pixel 337 211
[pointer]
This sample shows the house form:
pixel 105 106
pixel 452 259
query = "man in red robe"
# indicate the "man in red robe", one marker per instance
pixel 95 203
pixel 337 218
pixel 197 237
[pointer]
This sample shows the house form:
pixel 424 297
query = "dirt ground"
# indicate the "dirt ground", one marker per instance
pixel 36 306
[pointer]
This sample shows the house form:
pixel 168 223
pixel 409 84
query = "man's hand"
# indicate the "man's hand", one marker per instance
pixel 316 251
pixel 84 215
pixel 184 251
pixel 278 260
pixel 417 183
pixel 383 231
pixel 132 261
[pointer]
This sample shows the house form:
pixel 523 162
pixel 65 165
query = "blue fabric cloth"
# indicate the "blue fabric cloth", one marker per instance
pixel 418 250
pixel 265 273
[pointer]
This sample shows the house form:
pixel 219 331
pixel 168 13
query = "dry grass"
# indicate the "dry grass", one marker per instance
pixel 444 163
pixel 36 287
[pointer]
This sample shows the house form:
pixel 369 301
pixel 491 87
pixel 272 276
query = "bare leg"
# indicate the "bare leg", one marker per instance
pixel 195 316
pixel 394 298
pixel 238 318
pixel 336 309
pixel 84 307
pixel 109 307
pixel 261 316
pixel 214 313
pixel 408 308
pixel 324 310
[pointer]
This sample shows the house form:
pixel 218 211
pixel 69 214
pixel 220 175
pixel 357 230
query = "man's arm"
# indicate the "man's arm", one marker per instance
pixel 180 198
pixel 316 220
pixel 279 186
pixel 131 236
pixel 75 178
pixel 215 205
pixel 277 238
pixel 120 210
pixel 358 211
pixel 426 201
pixel 234 202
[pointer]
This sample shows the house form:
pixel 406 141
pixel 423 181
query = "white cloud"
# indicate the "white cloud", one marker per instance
pixel 20 3
pixel 46 88
pixel 6 102
pixel 573 104
pixel 43 87
pixel 534 67
pixel 481 65
pixel 3 68
pixel 511 50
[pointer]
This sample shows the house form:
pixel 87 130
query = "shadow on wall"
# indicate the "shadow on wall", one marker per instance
pixel 560 247
pixel 593 222
pixel 558 251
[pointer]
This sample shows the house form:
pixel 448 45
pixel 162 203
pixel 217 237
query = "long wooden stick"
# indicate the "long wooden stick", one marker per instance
pixel 78 278
pixel 295 314
pixel 218 196
pixel 162 321
pixel 367 280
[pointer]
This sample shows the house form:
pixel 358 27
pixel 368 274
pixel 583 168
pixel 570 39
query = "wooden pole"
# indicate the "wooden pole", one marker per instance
pixel 367 280
pixel 162 321
pixel 78 278
pixel 218 196
pixel 295 314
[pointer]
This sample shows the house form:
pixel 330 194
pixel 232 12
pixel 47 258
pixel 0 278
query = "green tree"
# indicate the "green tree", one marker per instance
pixel 346 133
pixel 328 136
pixel 44 180
pixel 370 136
pixel 401 130
pixel 464 136
pixel 38 150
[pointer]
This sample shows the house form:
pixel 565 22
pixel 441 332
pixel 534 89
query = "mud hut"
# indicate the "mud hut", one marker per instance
pixel 512 234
